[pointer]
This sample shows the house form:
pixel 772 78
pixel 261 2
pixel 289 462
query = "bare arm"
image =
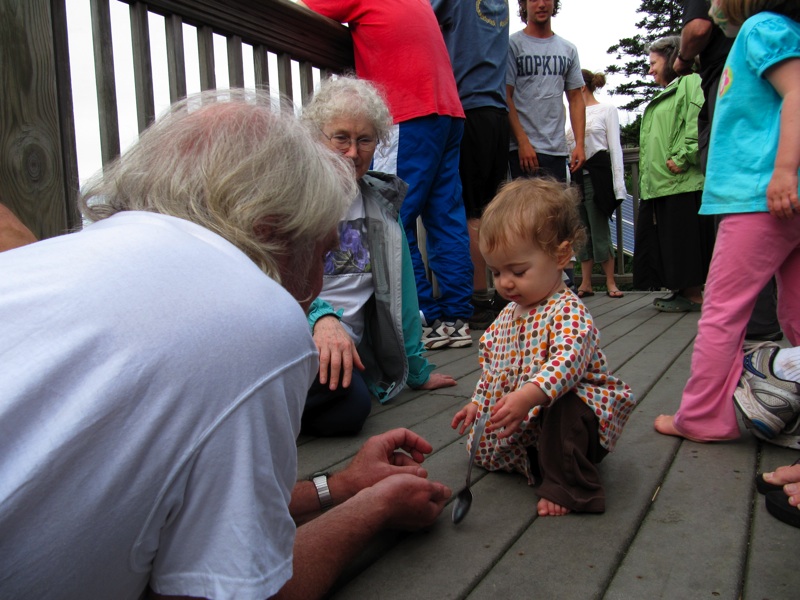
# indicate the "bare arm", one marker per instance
pixel 694 38
pixel 13 232
pixel 326 545
pixel 577 120
pixel 782 199
pixel 528 161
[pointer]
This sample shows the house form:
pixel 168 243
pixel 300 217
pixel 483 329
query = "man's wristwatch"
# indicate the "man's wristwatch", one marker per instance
pixel 323 491
pixel 688 61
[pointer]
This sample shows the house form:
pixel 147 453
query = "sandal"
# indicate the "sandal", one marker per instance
pixel 615 294
pixel 676 303
pixel 778 506
pixel 585 294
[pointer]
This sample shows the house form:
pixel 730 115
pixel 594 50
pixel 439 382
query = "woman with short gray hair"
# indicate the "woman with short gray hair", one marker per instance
pixel 673 242
pixel 367 315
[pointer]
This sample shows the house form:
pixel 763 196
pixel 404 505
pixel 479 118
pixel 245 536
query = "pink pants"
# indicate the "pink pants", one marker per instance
pixel 750 248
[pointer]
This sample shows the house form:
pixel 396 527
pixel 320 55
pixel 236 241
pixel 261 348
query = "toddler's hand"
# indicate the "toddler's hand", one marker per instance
pixel 510 411
pixel 467 415
pixel 782 194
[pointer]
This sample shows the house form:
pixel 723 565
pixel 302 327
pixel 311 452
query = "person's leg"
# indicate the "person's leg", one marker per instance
pixel 645 256
pixel 483 166
pixel 418 151
pixel 339 412
pixel 443 216
pixel 788 282
pixel 584 253
pixel 686 243
pixel 568 450
pixel 764 324
pixel 707 411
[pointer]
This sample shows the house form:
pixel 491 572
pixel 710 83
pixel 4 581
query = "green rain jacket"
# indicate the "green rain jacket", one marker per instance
pixel 669 130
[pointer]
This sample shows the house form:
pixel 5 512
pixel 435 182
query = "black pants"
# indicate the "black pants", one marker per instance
pixel 549 166
pixel 338 412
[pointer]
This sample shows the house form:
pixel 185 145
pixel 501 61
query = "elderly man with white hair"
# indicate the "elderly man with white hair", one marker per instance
pixel 151 397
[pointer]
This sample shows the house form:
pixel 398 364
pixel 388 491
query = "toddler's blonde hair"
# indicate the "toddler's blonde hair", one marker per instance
pixel 541 210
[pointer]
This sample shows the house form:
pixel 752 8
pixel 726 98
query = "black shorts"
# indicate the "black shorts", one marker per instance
pixel 483 164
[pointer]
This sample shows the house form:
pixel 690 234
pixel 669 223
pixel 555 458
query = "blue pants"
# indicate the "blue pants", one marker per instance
pixel 427 160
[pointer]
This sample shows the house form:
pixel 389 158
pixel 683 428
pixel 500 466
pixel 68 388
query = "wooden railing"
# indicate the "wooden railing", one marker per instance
pixel 38 157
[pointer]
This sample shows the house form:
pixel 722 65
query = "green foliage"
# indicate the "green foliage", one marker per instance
pixel 629 134
pixel 661 18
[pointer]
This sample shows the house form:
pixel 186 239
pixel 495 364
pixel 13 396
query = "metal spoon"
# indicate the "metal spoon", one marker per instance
pixel 464 498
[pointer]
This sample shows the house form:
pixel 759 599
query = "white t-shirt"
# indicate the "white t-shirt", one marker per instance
pixel 347 280
pixel 541 70
pixel 147 421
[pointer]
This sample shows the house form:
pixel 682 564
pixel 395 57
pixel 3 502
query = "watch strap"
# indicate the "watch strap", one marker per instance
pixel 320 481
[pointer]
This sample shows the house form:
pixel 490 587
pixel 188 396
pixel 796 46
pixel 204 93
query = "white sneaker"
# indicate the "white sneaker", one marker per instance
pixel 459 334
pixel 436 335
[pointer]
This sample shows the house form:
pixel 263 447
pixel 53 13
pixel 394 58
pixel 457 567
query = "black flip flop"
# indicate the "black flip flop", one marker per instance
pixel 778 506
pixel 584 294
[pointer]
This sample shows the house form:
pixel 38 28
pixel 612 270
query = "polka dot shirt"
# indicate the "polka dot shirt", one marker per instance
pixel 555 347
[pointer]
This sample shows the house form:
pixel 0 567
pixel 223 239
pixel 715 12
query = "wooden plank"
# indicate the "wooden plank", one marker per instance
pixel 261 67
pixel 582 552
pixel 235 62
pixel 770 570
pixel 306 82
pixel 176 61
pixel 32 178
pixel 105 80
pixel 66 117
pixel 285 76
pixel 142 66
pixel 205 57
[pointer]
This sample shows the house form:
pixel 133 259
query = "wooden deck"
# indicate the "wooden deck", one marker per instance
pixel 683 519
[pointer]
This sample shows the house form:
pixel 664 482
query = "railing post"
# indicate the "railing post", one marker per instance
pixel 38 172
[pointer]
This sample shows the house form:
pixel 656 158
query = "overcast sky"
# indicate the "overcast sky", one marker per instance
pixel 592 25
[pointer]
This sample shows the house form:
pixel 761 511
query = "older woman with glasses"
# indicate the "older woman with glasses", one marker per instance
pixel 367 315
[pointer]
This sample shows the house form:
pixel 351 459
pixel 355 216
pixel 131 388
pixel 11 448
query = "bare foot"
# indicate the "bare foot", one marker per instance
pixel 548 508
pixel 665 424
pixel 789 477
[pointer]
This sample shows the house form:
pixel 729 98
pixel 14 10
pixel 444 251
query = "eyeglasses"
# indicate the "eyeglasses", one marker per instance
pixel 343 142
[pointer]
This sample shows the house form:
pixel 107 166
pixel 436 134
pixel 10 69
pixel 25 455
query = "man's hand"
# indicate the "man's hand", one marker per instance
pixel 337 352
pixel 399 451
pixel 528 160
pixel 436 381
pixel 409 503
pixel 466 417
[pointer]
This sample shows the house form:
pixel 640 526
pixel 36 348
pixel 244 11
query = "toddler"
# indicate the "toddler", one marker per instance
pixel 556 410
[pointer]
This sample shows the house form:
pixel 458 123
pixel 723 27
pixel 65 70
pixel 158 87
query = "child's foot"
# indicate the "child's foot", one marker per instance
pixel 548 508
pixel 665 424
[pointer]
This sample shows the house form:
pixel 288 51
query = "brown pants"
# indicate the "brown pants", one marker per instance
pixel 567 453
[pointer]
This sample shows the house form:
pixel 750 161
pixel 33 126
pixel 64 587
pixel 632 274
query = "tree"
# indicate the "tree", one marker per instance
pixel 662 18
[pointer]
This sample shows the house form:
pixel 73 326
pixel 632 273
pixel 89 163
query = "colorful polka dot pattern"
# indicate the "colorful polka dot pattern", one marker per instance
pixel 556 347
